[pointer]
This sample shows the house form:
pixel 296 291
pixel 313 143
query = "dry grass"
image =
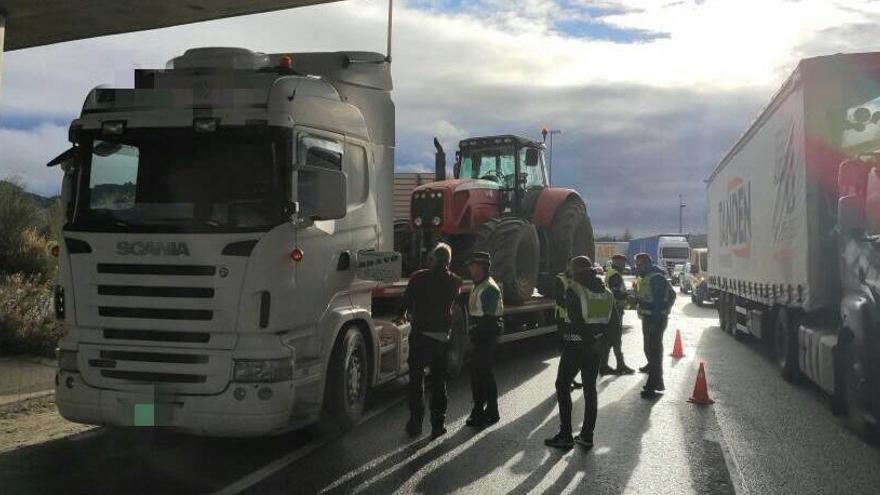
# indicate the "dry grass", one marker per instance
pixel 27 318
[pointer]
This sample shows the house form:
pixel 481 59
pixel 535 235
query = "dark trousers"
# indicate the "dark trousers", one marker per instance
pixel 613 338
pixel 425 351
pixel 652 329
pixel 577 357
pixel 483 386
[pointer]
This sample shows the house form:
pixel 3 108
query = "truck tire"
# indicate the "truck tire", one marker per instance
pixel 348 379
pixel 513 245
pixel 850 394
pixel 785 344
pixel 571 234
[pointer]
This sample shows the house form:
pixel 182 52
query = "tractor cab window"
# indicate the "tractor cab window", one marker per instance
pixel 533 176
pixel 495 164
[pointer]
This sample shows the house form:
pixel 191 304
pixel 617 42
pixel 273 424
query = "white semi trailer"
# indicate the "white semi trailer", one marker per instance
pixel 794 222
pixel 226 266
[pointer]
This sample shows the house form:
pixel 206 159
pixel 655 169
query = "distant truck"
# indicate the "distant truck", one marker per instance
pixel 667 250
pixel 794 230
pixel 605 250
pixel 696 278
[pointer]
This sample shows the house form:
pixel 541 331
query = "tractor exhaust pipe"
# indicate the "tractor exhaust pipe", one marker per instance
pixel 439 162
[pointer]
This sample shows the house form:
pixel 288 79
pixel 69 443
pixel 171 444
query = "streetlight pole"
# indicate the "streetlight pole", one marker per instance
pixel 550 132
pixel 681 207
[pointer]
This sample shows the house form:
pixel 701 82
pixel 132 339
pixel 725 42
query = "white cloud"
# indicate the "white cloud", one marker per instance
pixel 666 108
pixel 24 154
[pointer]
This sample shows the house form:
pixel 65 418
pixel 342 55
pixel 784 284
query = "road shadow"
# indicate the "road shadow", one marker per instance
pixel 137 461
pixel 691 310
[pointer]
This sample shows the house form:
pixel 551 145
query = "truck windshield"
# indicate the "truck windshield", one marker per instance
pixel 675 252
pixel 179 184
pixel 496 164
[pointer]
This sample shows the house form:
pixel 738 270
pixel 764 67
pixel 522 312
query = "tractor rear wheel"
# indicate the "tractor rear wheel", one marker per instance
pixel 513 245
pixel 571 234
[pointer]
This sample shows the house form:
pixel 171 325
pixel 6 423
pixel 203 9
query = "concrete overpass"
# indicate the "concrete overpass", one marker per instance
pixel 29 23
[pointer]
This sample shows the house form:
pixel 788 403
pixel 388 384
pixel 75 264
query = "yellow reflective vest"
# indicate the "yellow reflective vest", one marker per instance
pixel 475 302
pixel 596 307
pixel 646 294
pixel 561 310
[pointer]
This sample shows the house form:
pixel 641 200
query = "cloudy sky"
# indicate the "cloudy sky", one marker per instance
pixel 649 94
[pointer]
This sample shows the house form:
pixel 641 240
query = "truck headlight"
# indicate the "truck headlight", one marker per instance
pixel 435 221
pixel 418 221
pixel 262 370
pixel 67 361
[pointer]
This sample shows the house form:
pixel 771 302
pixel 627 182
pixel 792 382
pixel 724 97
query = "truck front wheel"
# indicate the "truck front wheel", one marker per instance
pixel 849 398
pixel 348 379
pixel 785 344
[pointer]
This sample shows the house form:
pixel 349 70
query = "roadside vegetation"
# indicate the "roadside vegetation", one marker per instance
pixel 28 229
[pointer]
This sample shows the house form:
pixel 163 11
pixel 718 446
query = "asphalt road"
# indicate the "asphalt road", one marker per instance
pixel 761 436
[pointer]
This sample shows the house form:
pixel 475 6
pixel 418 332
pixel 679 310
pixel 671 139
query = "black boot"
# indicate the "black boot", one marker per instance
pixel 437 428
pixel 414 425
pixel 492 415
pixel 477 419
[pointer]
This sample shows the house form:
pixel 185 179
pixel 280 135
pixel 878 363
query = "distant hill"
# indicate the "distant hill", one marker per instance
pixel 42 201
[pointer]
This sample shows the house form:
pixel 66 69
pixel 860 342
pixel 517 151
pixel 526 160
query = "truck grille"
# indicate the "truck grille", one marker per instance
pixel 155 314
pixel 197 371
pixel 157 336
pixel 184 270
pixel 136 291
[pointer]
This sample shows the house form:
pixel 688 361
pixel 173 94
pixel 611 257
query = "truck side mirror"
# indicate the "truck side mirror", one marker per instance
pixel 851 213
pixel 322 193
pixel 532 157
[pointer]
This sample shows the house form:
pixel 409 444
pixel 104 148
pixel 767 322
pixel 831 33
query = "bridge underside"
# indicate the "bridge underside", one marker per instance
pixel 29 23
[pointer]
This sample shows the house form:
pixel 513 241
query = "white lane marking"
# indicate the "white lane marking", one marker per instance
pixel 277 465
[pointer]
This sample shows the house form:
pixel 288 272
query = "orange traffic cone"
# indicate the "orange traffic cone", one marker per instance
pixel 701 389
pixel 677 351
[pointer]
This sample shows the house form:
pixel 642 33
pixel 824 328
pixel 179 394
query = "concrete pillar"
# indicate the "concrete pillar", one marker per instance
pixel 2 35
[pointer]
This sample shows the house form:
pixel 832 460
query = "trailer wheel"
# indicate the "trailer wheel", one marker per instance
pixel 722 312
pixel 785 344
pixel 348 378
pixel 850 398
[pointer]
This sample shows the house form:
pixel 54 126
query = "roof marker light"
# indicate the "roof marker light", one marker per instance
pixel 285 61
pixel 297 254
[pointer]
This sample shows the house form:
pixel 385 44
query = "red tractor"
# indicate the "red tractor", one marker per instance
pixel 500 201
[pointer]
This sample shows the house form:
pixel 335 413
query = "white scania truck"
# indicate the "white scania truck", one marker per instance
pixel 794 231
pixel 226 267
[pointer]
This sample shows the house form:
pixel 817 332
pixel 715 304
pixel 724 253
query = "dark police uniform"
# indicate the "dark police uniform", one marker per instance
pixel 485 307
pixel 429 297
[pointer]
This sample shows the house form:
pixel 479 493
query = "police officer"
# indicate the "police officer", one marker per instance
pixel 614 281
pixel 485 307
pixel 429 298
pixel 589 304
pixel 563 281
pixel 654 298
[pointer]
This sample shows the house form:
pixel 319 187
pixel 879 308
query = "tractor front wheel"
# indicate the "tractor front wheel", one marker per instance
pixel 571 234
pixel 513 245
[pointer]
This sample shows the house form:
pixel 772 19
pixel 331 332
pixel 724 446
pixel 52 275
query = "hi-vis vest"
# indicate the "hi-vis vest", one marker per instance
pixel 646 294
pixel 595 306
pixel 475 301
pixel 561 310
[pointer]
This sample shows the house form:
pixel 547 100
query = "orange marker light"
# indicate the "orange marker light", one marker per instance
pixel 285 61
pixel 55 250
pixel 296 255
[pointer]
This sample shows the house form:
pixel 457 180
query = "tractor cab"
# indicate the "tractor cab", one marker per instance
pixel 515 163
